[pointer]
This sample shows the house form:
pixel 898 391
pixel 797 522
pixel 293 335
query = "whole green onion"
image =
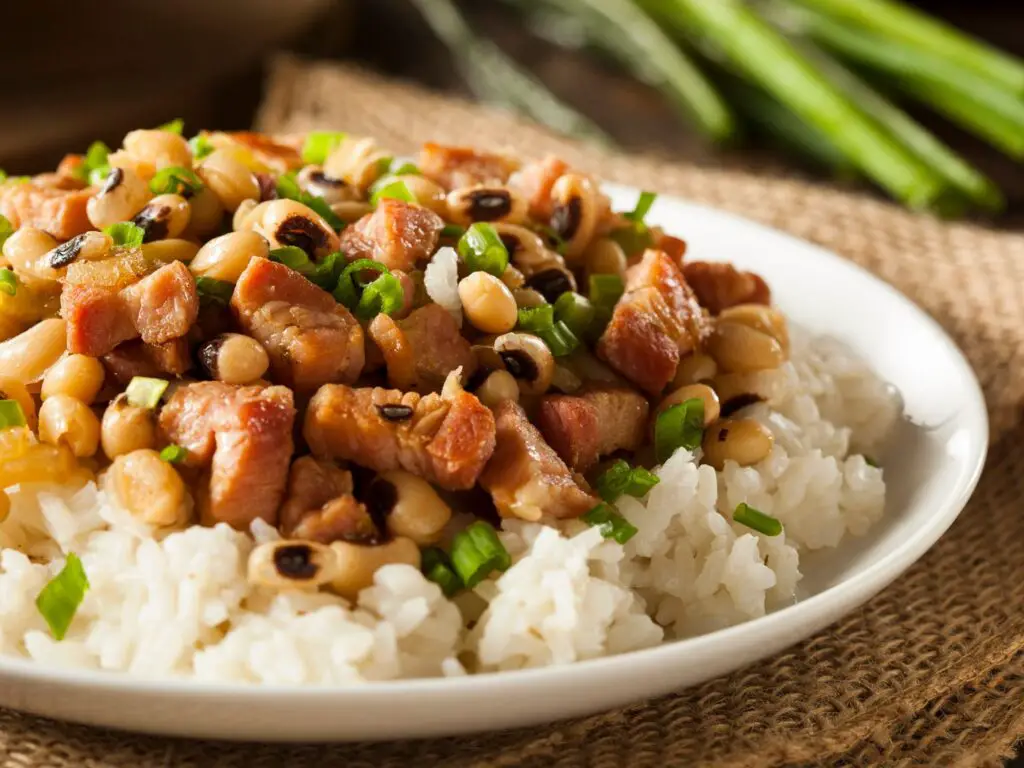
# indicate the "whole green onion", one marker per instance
pixel 435 566
pixel 576 312
pixel 481 249
pixel 477 552
pixel 11 414
pixel 319 145
pixel 173 454
pixel 214 291
pixel 611 523
pixel 126 234
pixel 145 392
pixel 679 426
pixel 175 180
pixel 8 282
pixel 60 598
pixel 392 189
pixel 756 520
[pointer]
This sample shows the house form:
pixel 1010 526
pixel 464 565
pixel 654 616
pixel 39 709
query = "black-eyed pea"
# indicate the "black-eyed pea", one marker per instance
pixel 351 210
pixel 78 376
pixel 760 317
pixel 701 392
pixel 605 257
pixel 528 297
pixel 26 251
pixel 126 428
pixel 498 387
pixel 694 368
pixel 289 222
pixel 122 195
pixel 485 202
pixel 355 564
pixel 743 441
pixel 150 489
pixel 738 390
pixel 427 193
pixel 171 249
pixel 248 212
pixel 488 303
pixel 65 420
pixel 229 178
pixel 207 214
pixel 292 564
pixel 741 349
pixel 234 358
pixel 512 278
pixel 227 256
pixel 357 161
pixel 409 506
pixel 528 359
pixel 332 190
pixel 162 217
pixel 576 210
pixel 158 149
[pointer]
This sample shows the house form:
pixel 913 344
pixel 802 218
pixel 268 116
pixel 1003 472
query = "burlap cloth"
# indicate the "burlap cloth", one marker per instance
pixel 931 672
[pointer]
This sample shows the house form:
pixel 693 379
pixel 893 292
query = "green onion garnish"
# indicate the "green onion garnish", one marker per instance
pixel 477 552
pixel 620 478
pixel 535 319
pixel 11 414
pixel 327 272
pixel 8 282
pixel 347 289
pixel 94 166
pixel 384 164
pixel 174 126
pixel 293 257
pixel 125 233
pixel 99 175
pixel 394 189
pixel 3 175
pixel 611 523
pixel 541 322
pixel 200 146
pixel 643 205
pixel 757 520
pixel 175 180
pixel 384 294
pixel 405 168
pixel 871 462
pixel 319 145
pixel 6 229
pixel 144 392
pixel 680 426
pixel 605 290
pixel 575 311
pixel 551 238
pixel 436 567
pixel 289 188
pixel 214 291
pixel 481 249
pixel 59 600
pixel 453 231
pixel 173 454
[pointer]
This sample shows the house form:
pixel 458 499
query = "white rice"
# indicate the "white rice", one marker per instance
pixel 441 281
pixel 179 605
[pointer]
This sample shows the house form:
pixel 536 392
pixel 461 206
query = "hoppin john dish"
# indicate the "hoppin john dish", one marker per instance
pixel 292 409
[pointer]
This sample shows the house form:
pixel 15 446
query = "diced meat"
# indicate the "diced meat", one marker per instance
pixel 319 505
pixel 674 247
pixel 421 350
pixel 158 308
pixel 244 434
pixel 454 167
pixel 535 180
pixel 525 476
pixel 311 338
pixel 583 428
pixel 720 285
pixel 67 172
pixel 444 438
pixel 281 157
pixel 656 321
pixel 136 358
pixel 397 234
pixel 61 212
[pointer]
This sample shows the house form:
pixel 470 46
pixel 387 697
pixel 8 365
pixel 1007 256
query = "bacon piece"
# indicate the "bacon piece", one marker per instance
pixel 397 234
pixel 320 507
pixel 525 476
pixel 269 151
pixel 421 350
pixel 583 428
pixel 720 285
pixel 535 180
pixel 656 321
pixel 60 212
pixel 454 167
pixel 136 358
pixel 311 338
pixel 445 438
pixel 244 434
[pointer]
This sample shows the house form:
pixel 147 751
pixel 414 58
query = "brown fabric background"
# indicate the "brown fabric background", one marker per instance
pixel 931 672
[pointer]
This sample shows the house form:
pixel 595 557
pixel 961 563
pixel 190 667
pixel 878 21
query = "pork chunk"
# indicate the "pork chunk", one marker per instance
pixel 719 286
pixel 583 428
pixel 136 358
pixel 311 338
pixel 525 476
pixel 46 206
pixel 454 167
pixel 397 234
pixel 319 505
pixel 535 180
pixel 244 436
pixel 657 321
pixel 421 350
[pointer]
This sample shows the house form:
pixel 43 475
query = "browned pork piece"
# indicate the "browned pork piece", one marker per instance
pixel 311 338
pixel 535 180
pixel 397 234
pixel 421 350
pixel 49 207
pixel 656 321
pixel 136 358
pixel 719 285
pixel 158 308
pixel 319 505
pixel 454 167
pixel 583 428
pixel 269 150
pixel 244 434
pixel 445 438
pixel 525 477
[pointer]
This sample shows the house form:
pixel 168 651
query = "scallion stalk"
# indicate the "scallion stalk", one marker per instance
pixel 482 250
pixel 59 600
pixel 145 392
pixel 757 520
pixel 611 523
pixel 11 414
pixel 477 552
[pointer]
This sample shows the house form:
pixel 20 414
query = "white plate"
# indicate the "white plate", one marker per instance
pixel 931 467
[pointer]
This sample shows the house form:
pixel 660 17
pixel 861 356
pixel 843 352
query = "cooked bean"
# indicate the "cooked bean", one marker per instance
pixel 158 149
pixel 486 203
pixel 67 420
pixel 30 354
pixel 78 376
pixel 605 257
pixel 488 303
pixel 207 214
pixel 356 563
pixel 248 210
pixel 289 564
pixel 760 317
pixel 352 210
pixel 577 208
pixel 12 389
pixel 172 249
pixel 26 251
pixel 356 161
pixel 227 256
pixel 5 506
pixel 512 278
pixel 528 297
pixel 744 441
pixel 313 180
pixel 409 505
pixel 741 349
pixel 163 216
pixel 528 359
pixel 150 489
pixel 694 368
pixel 700 392
pixel 229 178
pixel 738 390
pixel 122 195
pixel 498 386
pixel 289 222
pixel 88 246
pixel 126 428
pixel 427 193
pixel 552 283
pixel 234 358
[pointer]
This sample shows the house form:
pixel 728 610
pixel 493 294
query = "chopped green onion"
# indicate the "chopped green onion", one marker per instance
pixel 99 175
pixel 6 229
pixel 605 290
pixel 680 426
pixel 214 291
pixel 611 523
pixel 319 145
pixel 477 552
pixel 384 294
pixel 481 249
pixel 8 282
pixel 3 175
pixel 757 520
pixel 59 599
pixel 632 239
pixel 11 414
pixel 94 161
pixel 384 164
pixel 436 567
pixel 620 478
pixel 346 292
pixel 144 392
pixel 173 454
pixel 534 319
pixel 871 462
pixel 643 205
pixel 394 189
pixel 201 146
pixel 453 231
pixel 575 311
pixel 328 271
pixel 174 126
pixel 289 188
pixel 560 339
pixel 175 180
pixel 293 257
pixel 125 233
pixel 405 168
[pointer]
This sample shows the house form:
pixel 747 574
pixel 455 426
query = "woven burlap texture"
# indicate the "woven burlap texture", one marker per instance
pixel 931 672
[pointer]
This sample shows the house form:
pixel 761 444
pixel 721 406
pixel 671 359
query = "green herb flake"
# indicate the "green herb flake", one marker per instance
pixel 173 454
pixel 320 144
pixel 11 414
pixel 611 524
pixel 8 282
pixel 177 125
pixel 126 234
pixel 60 598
